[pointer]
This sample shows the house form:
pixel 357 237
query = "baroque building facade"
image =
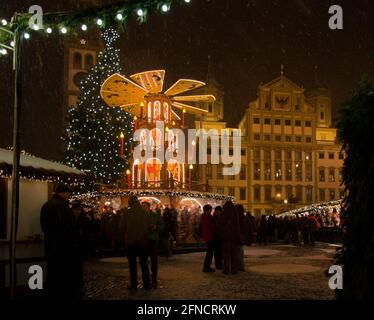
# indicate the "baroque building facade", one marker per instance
pixel 290 153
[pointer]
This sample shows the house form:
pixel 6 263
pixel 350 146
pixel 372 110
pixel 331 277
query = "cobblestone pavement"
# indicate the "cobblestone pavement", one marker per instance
pixel 272 272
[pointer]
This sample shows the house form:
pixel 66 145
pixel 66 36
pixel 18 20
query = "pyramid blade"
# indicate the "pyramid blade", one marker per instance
pixel 120 91
pixel 184 85
pixel 153 80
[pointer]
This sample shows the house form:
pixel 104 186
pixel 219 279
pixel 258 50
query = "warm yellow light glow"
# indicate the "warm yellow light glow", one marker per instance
pixel 191 166
pixel 167 129
pixel 122 136
pixel 142 104
pixel 128 172
pixel 135 118
pixel 173 123
pixel 184 110
pixel 285 201
pixel 193 143
pixel 278 195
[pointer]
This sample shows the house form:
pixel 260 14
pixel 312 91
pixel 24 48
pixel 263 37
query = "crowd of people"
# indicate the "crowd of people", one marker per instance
pixel 73 232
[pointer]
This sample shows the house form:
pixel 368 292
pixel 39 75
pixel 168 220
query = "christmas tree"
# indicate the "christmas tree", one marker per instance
pixel 94 131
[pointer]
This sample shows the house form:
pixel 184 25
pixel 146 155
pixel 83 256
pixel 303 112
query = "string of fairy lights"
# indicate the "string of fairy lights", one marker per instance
pixel 116 16
pixel 93 131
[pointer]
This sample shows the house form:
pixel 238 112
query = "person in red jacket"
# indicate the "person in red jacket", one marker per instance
pixel 207 234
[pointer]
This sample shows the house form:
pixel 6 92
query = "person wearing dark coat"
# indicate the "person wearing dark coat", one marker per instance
pixel 207 234
pixel 218 258
pixel 62 247
pixel 229 233
pixel 136 225
pixel 244 233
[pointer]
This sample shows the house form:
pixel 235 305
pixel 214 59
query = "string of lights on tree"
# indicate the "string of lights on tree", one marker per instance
pixel 94 129
pixel 115 15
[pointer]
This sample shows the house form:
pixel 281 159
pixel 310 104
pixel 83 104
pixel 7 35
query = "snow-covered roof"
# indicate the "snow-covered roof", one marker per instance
pixel 37 164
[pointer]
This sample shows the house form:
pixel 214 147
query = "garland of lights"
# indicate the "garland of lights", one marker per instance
pixel 153 193
pixel 116 15
pixel 315 207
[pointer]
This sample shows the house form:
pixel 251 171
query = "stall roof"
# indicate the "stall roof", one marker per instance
pixel 31 164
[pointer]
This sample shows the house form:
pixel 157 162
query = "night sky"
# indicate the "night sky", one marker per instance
pixel 247 41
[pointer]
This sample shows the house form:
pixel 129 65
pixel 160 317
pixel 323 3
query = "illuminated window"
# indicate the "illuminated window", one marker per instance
pixel 278 170
pixel 268 170
pixel 166 112
pixel 257 171
pixel 331 175
pixel 322 177
pixel 157 111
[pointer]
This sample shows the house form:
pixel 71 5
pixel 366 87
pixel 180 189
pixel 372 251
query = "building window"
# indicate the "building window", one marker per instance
pixel 267 121
pixel 278 171
pixel 288 139
pixel 243 152
pixel 208 172
pixel 268 193
pixel 257 193
pixel 322 115
pixel 220 190
pixel 322 177
pixel 288 171
pixel 299 171
pixel 309 193
pixel 341 156
pixel 257 171
pixel 332 175
pixel 297 123
pixel 256 137
pixel 322 195
pixel 267 137
pixel 298 156
pixel 277 122
pixel 77 60
pixel 321 155
pixel 267 170
pixel 278 155
pixel 331 156
pixel 288 155
pixel 210 108
pixel 219 172
pixel 308 172
pixel 88 61
pixel 287 122
pixel 308 124
pixel 340 175
pixel 278 138
pixel 256 120
pixel 331 194
pixel 267 155
pixel 298 139
pixel 231 192
pixel 308 156
pixel 308 139
pixel 299 193
pixel 341 194
pixel 243 172
pixel 256 154
pixel 3 208
pixel 288 191
pixel 243 194
pixel 231 177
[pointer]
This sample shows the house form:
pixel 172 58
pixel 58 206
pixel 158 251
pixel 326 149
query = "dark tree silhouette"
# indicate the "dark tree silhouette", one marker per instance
pixel 356 132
